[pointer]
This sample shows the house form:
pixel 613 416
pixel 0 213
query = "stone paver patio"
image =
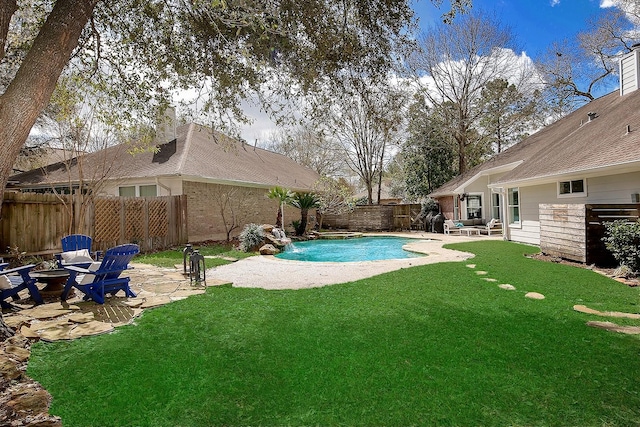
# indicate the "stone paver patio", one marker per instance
pixel 56 320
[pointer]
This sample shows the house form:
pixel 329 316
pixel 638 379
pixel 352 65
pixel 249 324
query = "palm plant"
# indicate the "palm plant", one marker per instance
pixel 304 202
pixel 282 195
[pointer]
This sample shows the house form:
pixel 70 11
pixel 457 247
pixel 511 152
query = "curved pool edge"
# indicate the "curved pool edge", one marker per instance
pixel 270 273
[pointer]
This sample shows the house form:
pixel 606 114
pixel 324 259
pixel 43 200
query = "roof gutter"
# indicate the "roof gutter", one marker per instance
pixel 486 172
pixel 619 168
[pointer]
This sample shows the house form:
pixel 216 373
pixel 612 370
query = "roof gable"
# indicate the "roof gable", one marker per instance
pixel 197 152
pixel 572 144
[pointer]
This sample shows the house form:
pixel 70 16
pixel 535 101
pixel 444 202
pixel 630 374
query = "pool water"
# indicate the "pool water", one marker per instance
pixel 348 250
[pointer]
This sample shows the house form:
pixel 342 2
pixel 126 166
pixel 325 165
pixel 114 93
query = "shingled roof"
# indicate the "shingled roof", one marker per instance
pixel 197 152
pixel 601 137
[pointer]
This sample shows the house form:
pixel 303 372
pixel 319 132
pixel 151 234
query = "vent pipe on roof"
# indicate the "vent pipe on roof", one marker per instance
pixel 592 115
pixel 628 129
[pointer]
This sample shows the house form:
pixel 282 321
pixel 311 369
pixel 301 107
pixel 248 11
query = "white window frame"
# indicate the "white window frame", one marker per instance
pixel 466 204
pixel 456 208
pixel 571 192
pixel 496 206
pixel 511 206
pixel 137 188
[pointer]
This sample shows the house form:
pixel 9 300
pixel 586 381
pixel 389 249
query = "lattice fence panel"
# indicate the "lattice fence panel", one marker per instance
pixel 107 225
pixel 134 219
pixel 158 222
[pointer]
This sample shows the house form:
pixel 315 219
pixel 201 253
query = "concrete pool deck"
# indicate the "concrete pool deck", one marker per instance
pixel 268 272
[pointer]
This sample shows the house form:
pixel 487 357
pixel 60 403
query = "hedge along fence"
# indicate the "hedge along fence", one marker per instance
pixel 35 223
pixel 375 218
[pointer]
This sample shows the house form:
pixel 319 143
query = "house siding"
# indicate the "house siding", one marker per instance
pixel 610 189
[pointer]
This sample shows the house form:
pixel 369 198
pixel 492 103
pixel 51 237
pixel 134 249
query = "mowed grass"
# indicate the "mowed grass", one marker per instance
pixel 429 345
pixel 173 257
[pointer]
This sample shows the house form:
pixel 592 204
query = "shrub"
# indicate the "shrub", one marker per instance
pixel 251 236
pixel 622 239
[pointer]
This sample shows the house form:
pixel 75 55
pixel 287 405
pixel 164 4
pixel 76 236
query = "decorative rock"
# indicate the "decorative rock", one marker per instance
pixel 20 354
pixel 89 329
pixel 481 273
pixel 488 279
pixel 8 369
pixel 610 326
pixel 156 301
pixel 534 295
pixel 507 287
pixel 81 317
pixel 587 310
pixel 268 250
pixel 30 399
pixel 16 320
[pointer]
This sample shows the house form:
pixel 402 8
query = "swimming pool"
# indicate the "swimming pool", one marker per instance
pixel 349 250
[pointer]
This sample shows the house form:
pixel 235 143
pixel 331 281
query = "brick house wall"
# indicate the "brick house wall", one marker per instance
pixel 211 206
pixel 446 206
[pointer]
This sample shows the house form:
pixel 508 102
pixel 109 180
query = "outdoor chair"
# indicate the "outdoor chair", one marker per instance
pixel 15 280
pixel 494 226
pixel 451 227
pixel 76 250
pixel 103 277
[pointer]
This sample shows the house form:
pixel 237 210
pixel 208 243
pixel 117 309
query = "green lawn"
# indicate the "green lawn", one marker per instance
pixel 170 258
pixel 430 345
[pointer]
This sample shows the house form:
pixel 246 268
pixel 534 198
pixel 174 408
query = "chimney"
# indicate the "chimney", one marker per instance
pixel 629 66
pixel 592 115
pixel 166 131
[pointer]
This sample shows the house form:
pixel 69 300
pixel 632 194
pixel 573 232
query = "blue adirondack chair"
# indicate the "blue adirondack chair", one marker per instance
pixel 20 280
pixel 76 242
pixel 105 279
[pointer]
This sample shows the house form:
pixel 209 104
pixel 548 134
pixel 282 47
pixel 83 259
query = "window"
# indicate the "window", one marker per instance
pixel 456 207
pixel 514 205
pixel 148 191
pixel 129 191
pixel 474 206
pixel 575 188
pixel 138 190
pixel 496 212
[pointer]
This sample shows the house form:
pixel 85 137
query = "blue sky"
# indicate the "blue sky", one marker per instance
pixel 535 23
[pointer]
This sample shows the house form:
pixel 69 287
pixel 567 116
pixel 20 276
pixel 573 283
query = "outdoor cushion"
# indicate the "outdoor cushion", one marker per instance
pixel 88 278
pixel 5 283
pixel 81 255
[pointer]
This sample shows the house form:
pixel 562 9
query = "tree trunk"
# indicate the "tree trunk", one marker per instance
pixel 30 90
pixel 304 219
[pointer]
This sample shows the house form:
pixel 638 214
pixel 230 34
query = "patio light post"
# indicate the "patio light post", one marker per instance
pixel 197 269
pixel 188 250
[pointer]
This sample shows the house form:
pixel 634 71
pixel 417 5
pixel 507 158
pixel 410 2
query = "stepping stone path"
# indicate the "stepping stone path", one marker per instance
pixel 534 295
pixel 610 326
pixel 505 286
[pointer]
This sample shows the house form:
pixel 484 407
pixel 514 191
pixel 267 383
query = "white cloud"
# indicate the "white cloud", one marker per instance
pixel 554 3
pixel 606 4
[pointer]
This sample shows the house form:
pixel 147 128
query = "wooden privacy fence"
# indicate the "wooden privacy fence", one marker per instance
pixel 376 218
pixel 575 231
pixel 35 223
